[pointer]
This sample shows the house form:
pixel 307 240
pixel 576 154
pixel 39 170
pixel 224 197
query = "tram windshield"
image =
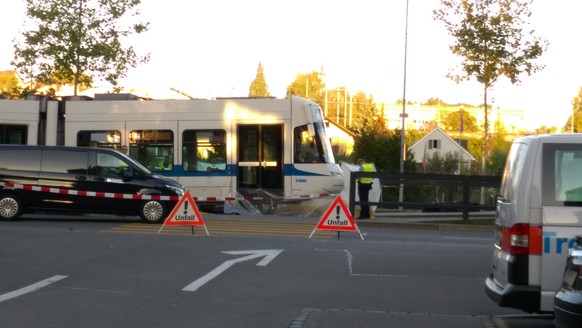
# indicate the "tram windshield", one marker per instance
pixel 310 141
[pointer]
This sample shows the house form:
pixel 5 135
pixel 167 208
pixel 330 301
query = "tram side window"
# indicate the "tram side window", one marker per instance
pixel 13 134
pixel 204 150
pixel 306 149
pixel 153 149
pixel 102 139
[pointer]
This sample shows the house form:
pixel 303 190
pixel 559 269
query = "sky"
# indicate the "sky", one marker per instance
pixel 212 49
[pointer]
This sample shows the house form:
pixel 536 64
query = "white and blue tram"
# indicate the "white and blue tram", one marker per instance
pixel 226 147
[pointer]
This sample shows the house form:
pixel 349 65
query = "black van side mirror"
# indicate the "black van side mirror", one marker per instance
pixel 126 176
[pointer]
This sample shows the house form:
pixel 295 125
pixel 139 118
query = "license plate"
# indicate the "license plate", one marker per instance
pixel 570 277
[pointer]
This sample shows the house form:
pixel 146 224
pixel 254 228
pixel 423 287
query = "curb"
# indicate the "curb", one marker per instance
pixel 429 226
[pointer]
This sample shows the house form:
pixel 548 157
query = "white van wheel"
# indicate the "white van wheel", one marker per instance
pixel 152 211
pixel 11 207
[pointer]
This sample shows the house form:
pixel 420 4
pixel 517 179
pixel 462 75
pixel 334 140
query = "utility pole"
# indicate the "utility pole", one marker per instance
pixel 403 115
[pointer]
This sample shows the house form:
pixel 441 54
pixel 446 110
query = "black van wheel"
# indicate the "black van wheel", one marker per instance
pixel 152 211
pixel 11 207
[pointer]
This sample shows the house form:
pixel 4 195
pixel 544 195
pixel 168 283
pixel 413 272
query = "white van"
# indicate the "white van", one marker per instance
pixel 539 213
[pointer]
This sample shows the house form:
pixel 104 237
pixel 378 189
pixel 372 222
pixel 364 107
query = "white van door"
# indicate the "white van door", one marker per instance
pixel 562 212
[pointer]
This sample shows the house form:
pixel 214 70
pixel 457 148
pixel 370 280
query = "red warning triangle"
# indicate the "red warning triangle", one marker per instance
pixel 185 213
pixel 337 217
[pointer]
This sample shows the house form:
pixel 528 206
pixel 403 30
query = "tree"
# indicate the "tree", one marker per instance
pixel 574 124
pixel 552 129
pixel 259 87
pixel 76 37
pixel 434 102
pixel 442 164
pixel 459 121
pixel 363 110
pixel 381 146
pixel 492 39
pixel 337 104
pixel 496 163
pixel 9 86
pixel 309 86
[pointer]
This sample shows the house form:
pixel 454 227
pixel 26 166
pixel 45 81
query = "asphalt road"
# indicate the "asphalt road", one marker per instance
pixel 112 272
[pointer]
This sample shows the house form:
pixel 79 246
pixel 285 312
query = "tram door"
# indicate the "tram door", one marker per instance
pixel 260 158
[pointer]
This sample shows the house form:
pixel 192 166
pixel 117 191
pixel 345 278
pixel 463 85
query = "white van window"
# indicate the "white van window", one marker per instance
pixel 513 171
pixel 562 175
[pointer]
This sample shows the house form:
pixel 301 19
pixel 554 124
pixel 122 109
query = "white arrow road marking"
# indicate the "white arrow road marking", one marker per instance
pixel 269 255
pixel 30 288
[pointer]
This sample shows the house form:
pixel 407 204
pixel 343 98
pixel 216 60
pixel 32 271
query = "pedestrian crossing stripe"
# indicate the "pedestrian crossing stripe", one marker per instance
pixel 185 213
pixel 337 217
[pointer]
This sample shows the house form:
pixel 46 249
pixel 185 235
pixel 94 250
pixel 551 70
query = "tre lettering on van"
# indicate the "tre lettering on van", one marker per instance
pixel 561 244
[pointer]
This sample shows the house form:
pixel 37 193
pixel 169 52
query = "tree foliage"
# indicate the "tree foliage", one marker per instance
pixel 364 111
pixel 458 121
pixel 544 129
pixel 77 39
pixel 492 38
pixel 338 104
pixel 309 86
pixel 259 87
pixel 381 146
pixel 574 123
pixel 447 163
pixel 9 85
pixel 434 102
pixel 499 150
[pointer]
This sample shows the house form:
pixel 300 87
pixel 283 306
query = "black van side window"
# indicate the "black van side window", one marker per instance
pixel 20 159
pixel 109 165
pixel 58 161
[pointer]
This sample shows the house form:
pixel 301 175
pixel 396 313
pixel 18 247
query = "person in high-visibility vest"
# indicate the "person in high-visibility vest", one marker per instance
pixel 166 164
pixel 364 187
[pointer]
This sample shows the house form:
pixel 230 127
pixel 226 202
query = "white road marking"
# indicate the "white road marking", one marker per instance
pixel 269 255
pixel 30 288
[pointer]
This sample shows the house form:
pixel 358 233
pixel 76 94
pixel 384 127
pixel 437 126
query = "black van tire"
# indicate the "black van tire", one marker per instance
pixel 152 211
pixel 11 207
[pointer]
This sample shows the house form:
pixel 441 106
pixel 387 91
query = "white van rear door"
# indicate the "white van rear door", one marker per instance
pixel 561 212
pixel 556 242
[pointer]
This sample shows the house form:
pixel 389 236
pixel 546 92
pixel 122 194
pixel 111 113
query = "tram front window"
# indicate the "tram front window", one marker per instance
pixel 326 151
pixel 306 146
pixel 310 140
pixel 310 144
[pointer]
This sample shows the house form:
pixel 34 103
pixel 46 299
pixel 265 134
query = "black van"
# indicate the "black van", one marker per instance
pixel 81 179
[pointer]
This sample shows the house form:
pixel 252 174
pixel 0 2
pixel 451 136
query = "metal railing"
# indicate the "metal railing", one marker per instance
pixel 431 192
